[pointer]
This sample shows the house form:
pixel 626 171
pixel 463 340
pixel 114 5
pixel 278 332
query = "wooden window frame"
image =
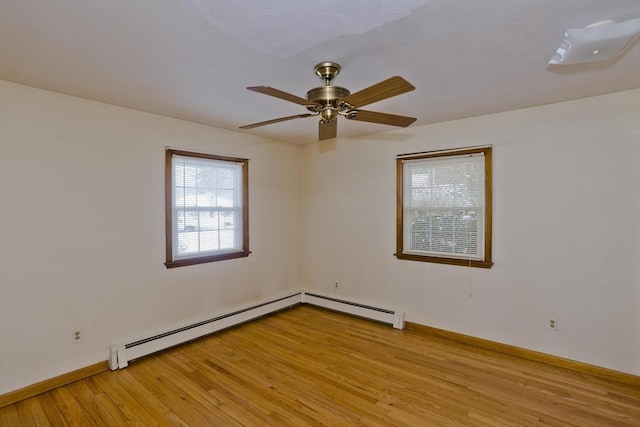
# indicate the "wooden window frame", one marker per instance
pixel 244 251
pixel 488 226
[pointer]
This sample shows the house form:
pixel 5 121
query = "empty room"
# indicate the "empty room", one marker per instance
pixel 303 213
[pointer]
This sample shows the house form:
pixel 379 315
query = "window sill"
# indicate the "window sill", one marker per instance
pixel 206 259
pixel 449 261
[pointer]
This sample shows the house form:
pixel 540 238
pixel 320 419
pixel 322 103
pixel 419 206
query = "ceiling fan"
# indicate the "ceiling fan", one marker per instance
pixel 329 102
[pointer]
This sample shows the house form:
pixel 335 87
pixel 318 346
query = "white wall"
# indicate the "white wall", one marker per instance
pixel 82 231
pixel 566 234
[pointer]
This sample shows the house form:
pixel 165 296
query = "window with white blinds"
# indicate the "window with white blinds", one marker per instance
pixel 444 212
pixel 206 208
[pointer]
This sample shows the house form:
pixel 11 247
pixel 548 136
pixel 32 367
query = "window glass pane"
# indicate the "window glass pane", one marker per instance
pixel 209 240
pixel 205 197
pixel 227 219
pixel 187 220
pixel 179 173
pixel 227 239
pixel 225 178
pixel 206 177
pixel 188 242
pixel 188 198
pixel 225 198
pixel 190 173
pixel 179 196
pixel 180 220
pixel 208 220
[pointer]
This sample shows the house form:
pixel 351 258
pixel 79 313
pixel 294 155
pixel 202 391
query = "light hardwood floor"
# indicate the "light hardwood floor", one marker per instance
pixel 308 366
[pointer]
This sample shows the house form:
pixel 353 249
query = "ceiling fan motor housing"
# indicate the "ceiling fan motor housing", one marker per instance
pixel 327 95
pixel 324 100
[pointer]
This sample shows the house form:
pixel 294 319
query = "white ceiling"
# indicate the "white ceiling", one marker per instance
pixel 192 59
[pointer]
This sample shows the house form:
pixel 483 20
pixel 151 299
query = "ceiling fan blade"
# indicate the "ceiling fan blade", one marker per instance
pixel 385 89
pixel 278 120
pixel 279 94
pixel 382 118
pixel 328 130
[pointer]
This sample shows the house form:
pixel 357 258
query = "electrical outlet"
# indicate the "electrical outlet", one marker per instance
pixel 552 323
pixel 336 285
pixel 76 335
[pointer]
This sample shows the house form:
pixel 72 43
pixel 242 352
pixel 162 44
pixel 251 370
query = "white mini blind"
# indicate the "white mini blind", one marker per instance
pixel 444 205
pixel 206 207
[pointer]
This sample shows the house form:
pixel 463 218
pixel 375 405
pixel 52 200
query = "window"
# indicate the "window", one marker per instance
pixel 444 207
pixel 206 203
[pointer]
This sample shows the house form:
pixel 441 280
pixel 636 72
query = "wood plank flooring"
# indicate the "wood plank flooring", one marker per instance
pixel 311 367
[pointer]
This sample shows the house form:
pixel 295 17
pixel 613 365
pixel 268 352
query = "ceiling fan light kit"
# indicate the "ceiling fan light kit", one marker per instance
pixel 329 101
pixel 596 42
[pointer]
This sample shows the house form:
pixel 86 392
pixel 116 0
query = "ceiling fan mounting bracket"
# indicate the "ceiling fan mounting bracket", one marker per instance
pixel 327 71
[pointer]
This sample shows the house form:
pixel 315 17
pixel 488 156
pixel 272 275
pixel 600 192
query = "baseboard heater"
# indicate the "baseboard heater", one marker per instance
pixel 120 355
pixel 395 318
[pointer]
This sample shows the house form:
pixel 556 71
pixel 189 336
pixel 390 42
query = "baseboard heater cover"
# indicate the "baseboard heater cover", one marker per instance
pixel 121 354
pixel 394 317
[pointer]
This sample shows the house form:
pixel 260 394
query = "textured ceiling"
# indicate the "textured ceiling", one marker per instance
pixel 296 26
pixel 192 59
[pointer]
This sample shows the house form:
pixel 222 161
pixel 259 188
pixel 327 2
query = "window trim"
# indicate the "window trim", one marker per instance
pixel 168 200
pixel 488 196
